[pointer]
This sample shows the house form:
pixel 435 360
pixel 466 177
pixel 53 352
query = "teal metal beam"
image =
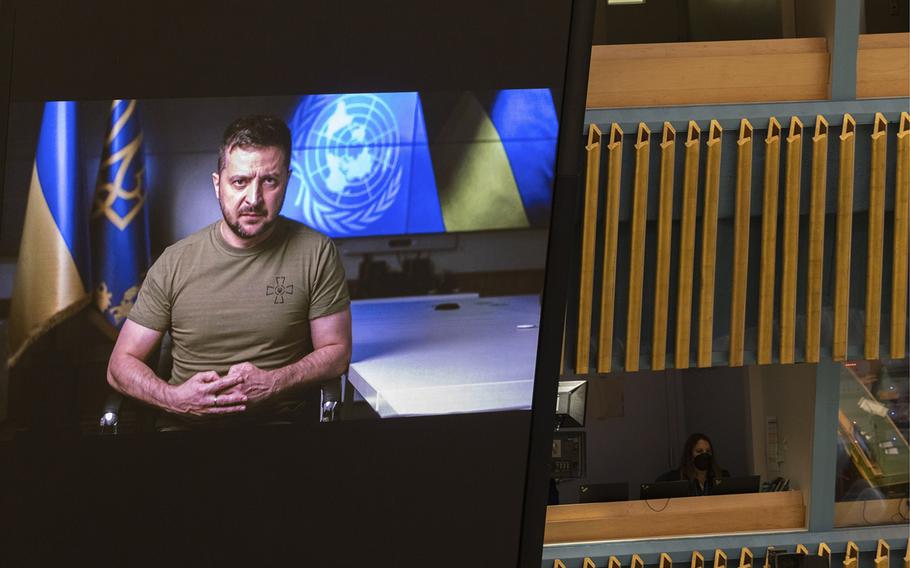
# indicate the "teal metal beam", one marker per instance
pixel 824 446
pixel 863 111
pixel 843 43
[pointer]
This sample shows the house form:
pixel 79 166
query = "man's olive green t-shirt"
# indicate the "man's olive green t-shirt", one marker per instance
pixel 225 305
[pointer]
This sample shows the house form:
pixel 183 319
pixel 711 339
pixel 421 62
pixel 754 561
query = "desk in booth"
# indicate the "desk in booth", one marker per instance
pixel 410 359
pixel 707 515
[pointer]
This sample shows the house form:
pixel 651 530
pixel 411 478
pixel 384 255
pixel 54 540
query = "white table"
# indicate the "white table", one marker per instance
pixel 410 359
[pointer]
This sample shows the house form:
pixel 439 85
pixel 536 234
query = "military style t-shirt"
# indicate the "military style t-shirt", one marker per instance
pixel 225 305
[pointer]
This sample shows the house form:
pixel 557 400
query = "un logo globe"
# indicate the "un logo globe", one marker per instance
pixel 346 162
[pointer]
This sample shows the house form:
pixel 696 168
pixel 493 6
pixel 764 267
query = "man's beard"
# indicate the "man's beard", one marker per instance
pixel 239 229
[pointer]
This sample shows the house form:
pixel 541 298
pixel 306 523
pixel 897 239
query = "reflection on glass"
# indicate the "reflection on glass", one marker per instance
pixel 873 461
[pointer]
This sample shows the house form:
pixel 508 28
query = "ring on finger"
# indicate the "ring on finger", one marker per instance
pixel 216 400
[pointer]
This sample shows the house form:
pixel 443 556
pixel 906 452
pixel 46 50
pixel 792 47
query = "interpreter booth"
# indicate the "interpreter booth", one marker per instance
pixel 740 291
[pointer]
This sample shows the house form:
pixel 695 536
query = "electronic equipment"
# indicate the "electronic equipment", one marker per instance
pixel 665 489
pixel 736 485
pixel 603 492
pixel 568 455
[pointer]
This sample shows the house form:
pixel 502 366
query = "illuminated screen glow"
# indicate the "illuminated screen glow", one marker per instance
pixel 364 164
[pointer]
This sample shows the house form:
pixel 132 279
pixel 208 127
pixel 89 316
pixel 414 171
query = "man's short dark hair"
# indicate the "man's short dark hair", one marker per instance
pixel 260 131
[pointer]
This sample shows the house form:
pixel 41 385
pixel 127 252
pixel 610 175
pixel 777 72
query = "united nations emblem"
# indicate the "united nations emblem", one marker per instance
pixel 346 164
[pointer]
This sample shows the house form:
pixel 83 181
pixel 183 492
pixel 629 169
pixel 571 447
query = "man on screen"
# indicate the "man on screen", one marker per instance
pixel 256 304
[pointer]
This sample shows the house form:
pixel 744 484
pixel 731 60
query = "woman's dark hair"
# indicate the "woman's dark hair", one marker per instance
pixel 261 131
pixel 687 464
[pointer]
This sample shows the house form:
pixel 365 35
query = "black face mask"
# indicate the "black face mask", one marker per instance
pixel 703 461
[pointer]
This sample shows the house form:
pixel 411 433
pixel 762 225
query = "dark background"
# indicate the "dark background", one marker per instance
pixel 444 491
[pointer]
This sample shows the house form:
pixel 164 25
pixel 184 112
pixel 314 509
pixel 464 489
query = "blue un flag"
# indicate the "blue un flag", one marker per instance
pixel 361 166
pixel 120 236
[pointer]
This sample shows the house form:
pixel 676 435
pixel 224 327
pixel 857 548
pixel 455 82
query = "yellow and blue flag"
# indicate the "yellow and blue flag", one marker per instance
pixel 52 270
pixel 120 231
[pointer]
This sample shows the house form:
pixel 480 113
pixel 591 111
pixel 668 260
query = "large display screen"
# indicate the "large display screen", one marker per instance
pixel 435 125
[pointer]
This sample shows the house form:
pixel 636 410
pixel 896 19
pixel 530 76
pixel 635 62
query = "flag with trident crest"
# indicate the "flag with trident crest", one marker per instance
pixel 119 225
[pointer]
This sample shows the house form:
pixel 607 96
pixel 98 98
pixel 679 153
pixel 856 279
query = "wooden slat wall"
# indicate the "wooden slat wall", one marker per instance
pixel 776 309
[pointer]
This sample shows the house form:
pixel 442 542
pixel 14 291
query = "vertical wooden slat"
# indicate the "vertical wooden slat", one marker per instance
pixel 720 557
pixel 687 247
pixel 882 554
pixel 901 249
pixel 816 239
pixel 745 558
pixel 876 236
pixel 698 561
pixel 851 558
pixel 665 561
pixel 664 236
pixel 709 246
pixel 790 241
pixel 844 239
pixel 588 563
pixel 611 224
pixel 741 243
pixel 613 562
pixel 637 251
pixel 769 242
pixel 589 228
pixel 824 551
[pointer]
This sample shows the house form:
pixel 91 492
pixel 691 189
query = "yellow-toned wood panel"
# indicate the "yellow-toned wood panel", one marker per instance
pixel 709 246
pixel 816 251
pixel 768 242
pixel 901 249
pixel 608 274
pixel 741 243
pixel 708 72
pixel 883 65
pixel 687 247
pixel 664 236
pixel 637 249
pixel 877 163
pixel 790 244
pixel 589 228
pixel 714 514
pixel 843 240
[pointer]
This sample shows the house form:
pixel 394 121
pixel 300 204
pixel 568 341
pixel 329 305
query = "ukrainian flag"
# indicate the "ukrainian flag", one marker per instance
pixel 120 232
pixel 52 270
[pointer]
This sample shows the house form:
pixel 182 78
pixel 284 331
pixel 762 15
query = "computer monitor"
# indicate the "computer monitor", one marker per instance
pixel 570 404
pixel 666 489
pixel 603 492
pixel 736 485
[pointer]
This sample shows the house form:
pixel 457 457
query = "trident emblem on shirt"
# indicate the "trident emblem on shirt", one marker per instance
pixel 279 289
